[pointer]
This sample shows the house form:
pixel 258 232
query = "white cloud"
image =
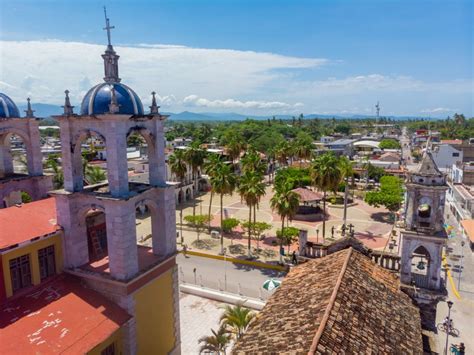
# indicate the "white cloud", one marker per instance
pixel 439 110
pixel 196 101
pixel 172 71
pixel 218 79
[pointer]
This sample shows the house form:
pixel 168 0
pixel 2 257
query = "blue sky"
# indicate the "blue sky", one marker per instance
pixel 257 57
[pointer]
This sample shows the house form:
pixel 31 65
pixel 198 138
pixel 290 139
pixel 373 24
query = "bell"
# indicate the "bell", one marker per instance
pixel 421 265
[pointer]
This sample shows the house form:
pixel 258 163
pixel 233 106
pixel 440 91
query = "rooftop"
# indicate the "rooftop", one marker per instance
pixel 27 221
pixel 60 316
pixel 468 226
pixel 307 195
pixel 341 303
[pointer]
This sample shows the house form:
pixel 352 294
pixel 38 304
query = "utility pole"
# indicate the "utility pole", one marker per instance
pixel 460 266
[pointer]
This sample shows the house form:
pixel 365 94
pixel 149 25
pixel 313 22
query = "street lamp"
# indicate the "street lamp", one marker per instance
pixel 448 326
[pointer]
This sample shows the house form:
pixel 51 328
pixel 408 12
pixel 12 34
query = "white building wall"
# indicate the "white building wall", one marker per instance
pixel 446 155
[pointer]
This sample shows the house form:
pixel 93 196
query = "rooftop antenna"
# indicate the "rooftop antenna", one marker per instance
pixel 107 26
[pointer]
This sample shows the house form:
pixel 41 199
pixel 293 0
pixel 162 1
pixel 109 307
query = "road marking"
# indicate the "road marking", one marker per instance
pixel 451 281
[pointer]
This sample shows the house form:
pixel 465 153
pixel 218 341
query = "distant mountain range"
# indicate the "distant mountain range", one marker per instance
pixel 47 110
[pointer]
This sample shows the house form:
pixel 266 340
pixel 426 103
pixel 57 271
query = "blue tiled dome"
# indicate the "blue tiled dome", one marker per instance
pixel 8 107
pixel 97 100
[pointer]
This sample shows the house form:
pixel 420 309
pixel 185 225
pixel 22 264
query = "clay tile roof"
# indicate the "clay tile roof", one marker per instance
pixel 341 303
pixel 27 221
pixel 307 195
pixel 60 316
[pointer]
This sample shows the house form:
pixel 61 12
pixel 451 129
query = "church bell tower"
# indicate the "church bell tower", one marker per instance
pixel 424 236
pixel 99 220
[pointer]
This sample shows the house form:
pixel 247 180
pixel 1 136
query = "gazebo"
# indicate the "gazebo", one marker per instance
pixel 309 209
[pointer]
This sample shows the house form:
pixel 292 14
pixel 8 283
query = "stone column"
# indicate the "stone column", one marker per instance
pixel 302 240
pixel 121 239
pixel 159 174
pixel 71 158
pixel 164 223
pixel 117 167
pixel 75 248
pixel 6 161
pixel 34 157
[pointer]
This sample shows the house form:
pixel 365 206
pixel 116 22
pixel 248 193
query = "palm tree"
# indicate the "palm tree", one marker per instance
pixel 251 189
pixel 58 178
pixel 179 168
pixel 234 148
pixel 347 172
pixel 223 182
pixel 282 152
pixel 253 163
pixel 285 202
pixel 94 174
pixel 326 176
pixel 236 319
pixel 303 147
pixel 194 156
pixel 210 166
pixel 215 343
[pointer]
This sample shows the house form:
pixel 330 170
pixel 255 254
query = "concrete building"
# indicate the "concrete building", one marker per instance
pixel 445 155
pixel 341 147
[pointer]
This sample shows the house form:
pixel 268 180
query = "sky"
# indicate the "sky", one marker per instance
pixel 250 56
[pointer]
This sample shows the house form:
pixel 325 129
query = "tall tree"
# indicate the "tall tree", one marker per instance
pixel 210 165
pixel 285 202
pixel 223 182
pixel 194 156
pixel 251 188
pixel 326 176
pixel 178 167
pixel 348 173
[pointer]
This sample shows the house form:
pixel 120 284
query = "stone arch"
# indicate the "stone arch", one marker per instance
pixel 6 158
pixel 180 195
pixel 189 194
pixel 92 218
pixel 76 149
pixel 145 133
pixel 420 260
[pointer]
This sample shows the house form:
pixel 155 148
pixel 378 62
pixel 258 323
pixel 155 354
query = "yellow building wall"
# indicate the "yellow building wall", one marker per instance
pixel 114 338
pixel 155 316
pixel 32 249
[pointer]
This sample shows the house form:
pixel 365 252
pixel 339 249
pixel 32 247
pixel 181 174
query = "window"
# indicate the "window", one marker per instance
pixel 47 262
pixel 109 350
pixel 455 154
pixel 20 272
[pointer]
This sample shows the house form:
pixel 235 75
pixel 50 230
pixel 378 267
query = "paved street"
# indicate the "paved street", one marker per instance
pixel 212 271
pixel 462 311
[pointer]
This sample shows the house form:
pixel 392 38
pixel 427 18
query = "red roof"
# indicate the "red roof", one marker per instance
pixel 61 316
pixel 27 221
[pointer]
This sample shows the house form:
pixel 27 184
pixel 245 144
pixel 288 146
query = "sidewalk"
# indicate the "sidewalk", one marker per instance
pixel 462 284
